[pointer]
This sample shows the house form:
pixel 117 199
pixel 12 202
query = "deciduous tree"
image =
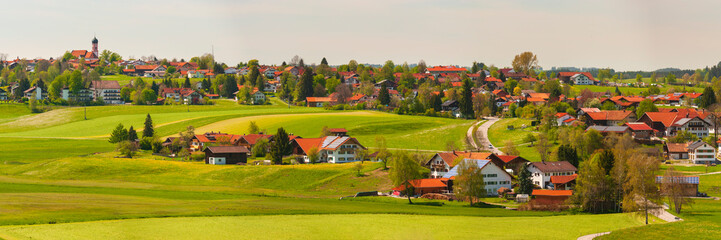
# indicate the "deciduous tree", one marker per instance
pixel 525 62
pixel 404 169
pixel 672 186
pixel 469 182
pixel 641 189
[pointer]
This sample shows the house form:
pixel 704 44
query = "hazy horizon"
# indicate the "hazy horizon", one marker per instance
pixel 624 35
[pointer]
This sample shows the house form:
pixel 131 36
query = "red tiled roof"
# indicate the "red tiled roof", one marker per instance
pixel 563 179
pixel 338 130
pixel 306 144
pixel 253 138
pixel 319 99
pixel 449 157
pixel 639 126
pixel 570 74
pixel 532 99
pixel 456 84
pixel 424 183
pixel 445 69
pixel 506 158
pixel 492 79
pixel 145 67
pixel 540 95
pixel 614 115
pixel 545 192
pixel 676 147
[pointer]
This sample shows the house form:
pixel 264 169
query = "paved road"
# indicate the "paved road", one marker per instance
pixel 663 214
pixel 469 136
pixel 592 236
pixel 482 134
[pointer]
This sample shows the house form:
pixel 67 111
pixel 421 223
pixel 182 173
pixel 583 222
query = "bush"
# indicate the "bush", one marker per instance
pixel 146 143
pixel 197 157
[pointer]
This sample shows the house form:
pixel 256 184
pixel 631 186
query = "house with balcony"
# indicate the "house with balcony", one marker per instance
pixel 443 162
pixel 541 172
pixel 109 91
pixel 330 149
pixel 494 176
pixel 700 152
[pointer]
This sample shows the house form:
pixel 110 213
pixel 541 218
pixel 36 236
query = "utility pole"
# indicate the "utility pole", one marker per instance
pixel 85 112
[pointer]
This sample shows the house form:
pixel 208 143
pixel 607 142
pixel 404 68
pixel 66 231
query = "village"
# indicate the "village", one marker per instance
pixel 565 145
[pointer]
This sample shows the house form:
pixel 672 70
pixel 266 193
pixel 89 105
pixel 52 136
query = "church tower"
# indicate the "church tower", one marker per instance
pixel 95 47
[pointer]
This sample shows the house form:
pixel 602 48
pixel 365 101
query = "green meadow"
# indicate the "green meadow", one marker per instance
pixel 60 178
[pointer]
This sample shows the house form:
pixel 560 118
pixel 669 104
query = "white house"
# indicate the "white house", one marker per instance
pixel 564 119
pixel 35 92
pixel 331 149
pixel 581 79
pixel 700 152
pixel 230 70
pixel 541 172
pixel 84 95
pixel 494 177
pixel 694 125
pixel 109 91
pixel 442 162
pixel 258 97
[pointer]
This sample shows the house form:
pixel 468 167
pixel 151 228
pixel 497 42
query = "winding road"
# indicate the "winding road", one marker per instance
pixel 482 134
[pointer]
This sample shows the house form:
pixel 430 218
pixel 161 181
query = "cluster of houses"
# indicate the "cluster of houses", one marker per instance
pixel 224 148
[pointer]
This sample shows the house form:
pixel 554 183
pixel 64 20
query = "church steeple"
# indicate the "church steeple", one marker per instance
pixel 95 47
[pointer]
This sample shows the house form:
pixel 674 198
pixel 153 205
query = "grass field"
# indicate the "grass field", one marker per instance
pixel 356 226
pixel 499 133
pixel 125 79
pixel 632 90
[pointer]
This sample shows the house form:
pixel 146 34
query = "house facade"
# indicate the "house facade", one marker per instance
pixel 700 152
pixel 442 162
pixel 109 91
pixel 541 172
pixel 222 155
pixel 331 149
pixel 580 79
pixel 494 177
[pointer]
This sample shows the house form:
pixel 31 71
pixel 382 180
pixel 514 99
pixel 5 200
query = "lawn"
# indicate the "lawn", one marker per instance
pixel 701 221
pixel 125 79
pixel 340 226
pixel 499 133
pixel 633 90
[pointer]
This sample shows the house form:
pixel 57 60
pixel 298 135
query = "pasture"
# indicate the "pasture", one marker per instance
pixel 499 133
pixel 340 226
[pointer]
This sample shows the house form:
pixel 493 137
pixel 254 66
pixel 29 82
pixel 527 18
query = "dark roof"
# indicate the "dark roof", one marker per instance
pixel 560 166
pixel 448 103
pixel 696 144
pixel 227 149
pixel 95 40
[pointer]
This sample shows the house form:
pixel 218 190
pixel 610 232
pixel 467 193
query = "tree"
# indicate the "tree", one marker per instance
pixel 607 160
pixel 323 61
pixel 127 148
pixel 683 137
pixel 469 181
pixel 362 153
pixel 594 189
pixel 510 149
pixel 568 154
pixel 312 155
pixel 707 99
pixel 672 186
pixel 325 131
pixel 253 128
pixel 530 138
pixel 383 154
pixel 639 78
pixel 119 134
pixel 343 93
pixel 645 106
pixel 593 140
pixel 132 134
pixel 306 85
pixel 641 190
pixel 525 185
pixel 404 169
pixel 280 146
pixel 261 147
pixel 148 96
pixel 525 62
pixel 186 84
pixel 466 103
pixel 148 130
pixel 543 146
pixel 383 96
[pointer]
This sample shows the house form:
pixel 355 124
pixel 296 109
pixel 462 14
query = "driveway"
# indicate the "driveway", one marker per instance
pixel 482 134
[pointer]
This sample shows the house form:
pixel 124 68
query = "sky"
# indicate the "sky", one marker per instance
pixel 624 35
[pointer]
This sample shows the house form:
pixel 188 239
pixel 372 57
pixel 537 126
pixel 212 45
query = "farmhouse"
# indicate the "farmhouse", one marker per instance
pixel 199 142
pixel 442 162
pixel 541 172
pixel 640 130
pixel 609 118
pixel 423 186
pixel 330 149
pixel 221 155
pixel 508 162
pixel 700 152
pixel 564 182
pixel 318 101
pixel 181 95
pixel 550 197
pixel 689 184
pixel 249 140
pixel 676 151
pixel 493 176
pixel 669 123
pixel 568 77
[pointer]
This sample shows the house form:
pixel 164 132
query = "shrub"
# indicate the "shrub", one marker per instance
pixel 157 146
pixel 146 143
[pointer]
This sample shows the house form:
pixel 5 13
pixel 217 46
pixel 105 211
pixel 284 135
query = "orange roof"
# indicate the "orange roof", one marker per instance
pixel 446 69
pixel 449 157
pixel 492 79
pixel 253 138
pixel 639 126
pixel 667 118
pixel 616 115
pixel 423 183
pixel 306 144
pixel 540 95
pixel 676 147
pixel 145 67
pixel 545 192
pixel 319 99
pixel 506 158
pixel 456 84
pixel 563 179
pixel 531 99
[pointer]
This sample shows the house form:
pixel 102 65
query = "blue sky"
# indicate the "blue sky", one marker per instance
pixel 625 35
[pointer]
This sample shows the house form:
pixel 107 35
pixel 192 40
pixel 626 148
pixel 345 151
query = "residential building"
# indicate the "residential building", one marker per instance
pixel 258 97
pixel 700 152
pixel 583 111
pixel 564 119
pixel 199 142
pixel 639 130
pixel 109 91
pixel 222 155
pixel 3 95
pixel 442 162
pixel 331 149
pixel 493 176
pixel 318 101
pixel 438 70
pixel 181 95
pixel 669 123
pixel 83 95
pixel 512 164
pixel 35 92
pixel 566 77
pixel 423 186
pixel 541 172
pixel 676 151
pixel 605 130
pixel 565 182
pixel 609 118
pixel 581 79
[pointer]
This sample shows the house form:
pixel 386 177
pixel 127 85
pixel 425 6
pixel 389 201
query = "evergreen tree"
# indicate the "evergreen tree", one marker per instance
pixel 383 96
pixel 474 68
pixel 155 87
pixel 467 99
pixel 707 99
pixel 437 102
pixel 132 134
pixel 618 92
pixel 148 130
pixel 306 85
pixel 607 160
pixel 254 73
pixel 525 186
pixel 186 84
pixel 119 134
pixel 324 62
pixel 280 146
pixel 569 154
